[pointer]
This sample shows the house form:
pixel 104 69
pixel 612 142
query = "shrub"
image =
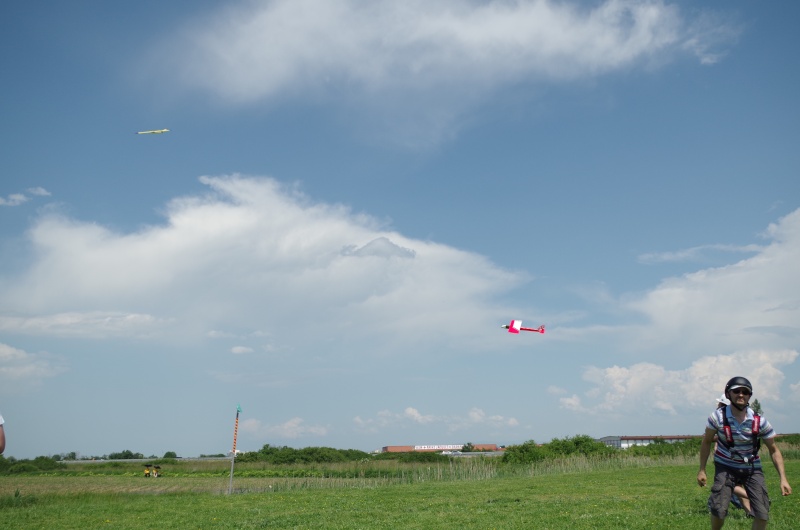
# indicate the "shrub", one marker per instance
pixel 413 456
pixel 307 455
pixel 45 463
pixel 23 467
pixel 661 448
pixel 790 439
pixel 526 453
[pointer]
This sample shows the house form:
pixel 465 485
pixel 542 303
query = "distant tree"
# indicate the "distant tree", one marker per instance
pixel 170 454
pixel 125 455
pixel 756 406
pixel 468 448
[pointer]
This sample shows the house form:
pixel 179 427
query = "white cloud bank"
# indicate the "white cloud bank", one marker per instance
pixel 741 319
pixel 261 268
pixel 256 260
pixel 751 304
pixel 430 61
pixel 649 386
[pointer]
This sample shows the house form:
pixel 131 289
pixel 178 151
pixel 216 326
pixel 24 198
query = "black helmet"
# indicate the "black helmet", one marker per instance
pixel 738 382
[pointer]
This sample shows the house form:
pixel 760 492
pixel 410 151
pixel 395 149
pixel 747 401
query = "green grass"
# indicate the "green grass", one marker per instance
pixel 574 494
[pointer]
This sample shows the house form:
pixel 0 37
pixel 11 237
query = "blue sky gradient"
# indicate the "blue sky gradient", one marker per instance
pixel 351 200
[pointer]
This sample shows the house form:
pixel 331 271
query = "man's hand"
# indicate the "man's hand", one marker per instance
pixel 701 479
pixel 786 489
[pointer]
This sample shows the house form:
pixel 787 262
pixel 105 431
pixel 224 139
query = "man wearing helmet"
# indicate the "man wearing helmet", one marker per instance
pixel 739 432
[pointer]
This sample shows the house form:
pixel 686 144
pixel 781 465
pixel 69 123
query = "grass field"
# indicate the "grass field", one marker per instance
pixel 575 495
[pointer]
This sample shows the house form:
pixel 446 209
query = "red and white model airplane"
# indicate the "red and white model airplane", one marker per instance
pixel 516 327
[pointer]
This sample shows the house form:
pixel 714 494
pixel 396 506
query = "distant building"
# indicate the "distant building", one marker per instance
pixel 436 448
pixel 624 442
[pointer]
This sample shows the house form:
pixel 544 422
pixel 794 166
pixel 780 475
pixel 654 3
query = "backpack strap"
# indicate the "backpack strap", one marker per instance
pixel 726 429
pixel 756 433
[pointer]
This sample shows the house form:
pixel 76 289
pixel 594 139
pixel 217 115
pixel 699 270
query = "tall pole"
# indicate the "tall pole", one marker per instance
pixel 233 451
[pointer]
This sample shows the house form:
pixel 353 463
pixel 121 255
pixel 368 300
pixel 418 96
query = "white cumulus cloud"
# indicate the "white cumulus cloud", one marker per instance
pixel 753 303
pixel 428 61
pixel 651 386
pixel 259 258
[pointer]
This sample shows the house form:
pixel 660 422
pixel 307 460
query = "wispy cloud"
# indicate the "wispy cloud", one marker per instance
pixel 39 191
pixel 430 62
pixel 19 370
pixel 474 417
pixel 290 429
pixel 89 324
pixel 15 199
pixel 697 253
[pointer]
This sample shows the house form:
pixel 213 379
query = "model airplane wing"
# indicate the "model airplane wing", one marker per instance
pixel 516 326
pixel 155 131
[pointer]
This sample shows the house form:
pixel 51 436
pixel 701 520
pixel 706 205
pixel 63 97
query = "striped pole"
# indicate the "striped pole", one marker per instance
pixel 233 451
pixel 235 430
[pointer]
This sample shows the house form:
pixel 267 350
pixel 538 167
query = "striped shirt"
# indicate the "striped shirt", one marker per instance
pixel 742 439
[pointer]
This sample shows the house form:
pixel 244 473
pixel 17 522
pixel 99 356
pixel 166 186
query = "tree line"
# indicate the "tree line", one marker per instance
pixel 525 453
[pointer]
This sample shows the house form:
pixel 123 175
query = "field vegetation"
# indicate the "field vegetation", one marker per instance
pixel 569 483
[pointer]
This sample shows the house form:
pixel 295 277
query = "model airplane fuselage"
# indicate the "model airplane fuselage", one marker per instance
pixel 156 131
pixel 516 326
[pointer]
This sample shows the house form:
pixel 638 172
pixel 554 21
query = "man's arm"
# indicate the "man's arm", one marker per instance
pixel 777 460
pixel 705 451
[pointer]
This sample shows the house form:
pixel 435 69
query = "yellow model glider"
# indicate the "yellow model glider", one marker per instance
pixel 158 131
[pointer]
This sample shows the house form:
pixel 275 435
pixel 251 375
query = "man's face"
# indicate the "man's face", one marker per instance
pixel 740 396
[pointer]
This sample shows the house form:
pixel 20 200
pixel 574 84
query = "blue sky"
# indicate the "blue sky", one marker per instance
pixel 353 197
